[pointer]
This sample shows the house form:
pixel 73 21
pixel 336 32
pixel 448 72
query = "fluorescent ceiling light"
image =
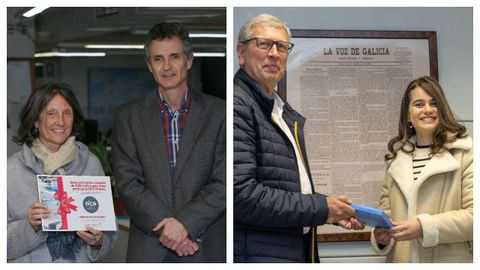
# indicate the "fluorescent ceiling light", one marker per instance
pixel 34 11
pixel 207 35
pixel 70 54
pixel 114 46
pixel 140 47
pixel 191 35
pixel 208 54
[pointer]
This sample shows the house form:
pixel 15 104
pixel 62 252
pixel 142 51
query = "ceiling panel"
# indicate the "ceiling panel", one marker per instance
pixel 71 28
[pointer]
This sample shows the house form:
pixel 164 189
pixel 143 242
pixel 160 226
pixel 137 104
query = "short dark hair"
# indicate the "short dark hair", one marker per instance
pixel 447 119
pixel 169 30
pixel 37 101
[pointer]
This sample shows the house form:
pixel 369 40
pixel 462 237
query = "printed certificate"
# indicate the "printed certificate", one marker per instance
pixel 76 202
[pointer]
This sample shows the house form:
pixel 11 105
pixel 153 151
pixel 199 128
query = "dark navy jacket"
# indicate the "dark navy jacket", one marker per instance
pixel 269 209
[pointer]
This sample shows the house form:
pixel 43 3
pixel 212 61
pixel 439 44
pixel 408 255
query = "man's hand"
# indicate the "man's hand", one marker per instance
pixel 338 209
pixel 351 223
pixel 173 235
pixel 407 230
pixel 187 248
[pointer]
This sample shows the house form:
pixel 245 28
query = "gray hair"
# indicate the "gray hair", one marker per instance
pixel 263 19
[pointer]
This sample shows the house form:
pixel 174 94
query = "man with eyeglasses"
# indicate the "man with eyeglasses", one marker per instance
pixel 276 209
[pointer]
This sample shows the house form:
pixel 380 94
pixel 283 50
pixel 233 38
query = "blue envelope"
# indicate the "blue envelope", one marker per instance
pixel 371 216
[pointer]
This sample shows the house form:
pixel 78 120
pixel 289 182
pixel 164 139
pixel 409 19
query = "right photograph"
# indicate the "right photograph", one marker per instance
pixel 353 135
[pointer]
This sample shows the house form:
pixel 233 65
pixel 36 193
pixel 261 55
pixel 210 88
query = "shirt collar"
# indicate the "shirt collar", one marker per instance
pixel 277 104
pixel 166 105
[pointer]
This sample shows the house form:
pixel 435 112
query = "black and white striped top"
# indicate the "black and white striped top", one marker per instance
pixel 420 159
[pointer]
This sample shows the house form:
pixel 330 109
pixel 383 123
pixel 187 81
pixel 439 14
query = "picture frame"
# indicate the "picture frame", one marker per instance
pixel 430 36
pixel 327 72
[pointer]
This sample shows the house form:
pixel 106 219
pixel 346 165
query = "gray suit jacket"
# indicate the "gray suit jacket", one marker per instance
pixel 196 195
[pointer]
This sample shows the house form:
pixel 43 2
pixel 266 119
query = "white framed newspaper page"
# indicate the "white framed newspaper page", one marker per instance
pixel 349 85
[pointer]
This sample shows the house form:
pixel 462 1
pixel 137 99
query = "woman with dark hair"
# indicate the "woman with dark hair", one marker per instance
pixel 50 120
pixel 428 188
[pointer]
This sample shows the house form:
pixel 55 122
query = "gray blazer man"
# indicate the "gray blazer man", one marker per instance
pixel 169 160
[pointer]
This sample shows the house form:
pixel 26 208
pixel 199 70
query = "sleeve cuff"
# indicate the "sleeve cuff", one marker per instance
pixel 97 254
pixel 35 237
pixel 375 246
pixel 429 229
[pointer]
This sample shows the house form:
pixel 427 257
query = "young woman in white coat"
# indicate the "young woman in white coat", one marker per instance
pixel 428 188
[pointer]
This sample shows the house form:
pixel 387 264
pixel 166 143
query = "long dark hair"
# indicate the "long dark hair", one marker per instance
pixel 36 102
pixel 448 122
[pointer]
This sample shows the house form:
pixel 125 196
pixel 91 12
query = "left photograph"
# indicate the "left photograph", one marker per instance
pixel 116 136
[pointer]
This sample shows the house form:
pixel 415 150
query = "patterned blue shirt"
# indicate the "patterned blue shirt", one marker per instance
pixel 173 124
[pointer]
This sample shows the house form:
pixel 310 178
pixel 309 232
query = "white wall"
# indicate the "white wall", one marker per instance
pixel 454 27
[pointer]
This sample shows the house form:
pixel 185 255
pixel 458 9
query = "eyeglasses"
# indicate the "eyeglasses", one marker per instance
pixel 267 44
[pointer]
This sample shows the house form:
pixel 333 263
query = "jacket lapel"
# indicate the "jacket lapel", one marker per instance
pixel 152 123
pixel 193 126
pixel 401 170
pixel 440 163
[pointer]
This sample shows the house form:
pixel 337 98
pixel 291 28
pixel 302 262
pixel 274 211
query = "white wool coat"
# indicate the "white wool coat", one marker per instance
pixel 441 199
